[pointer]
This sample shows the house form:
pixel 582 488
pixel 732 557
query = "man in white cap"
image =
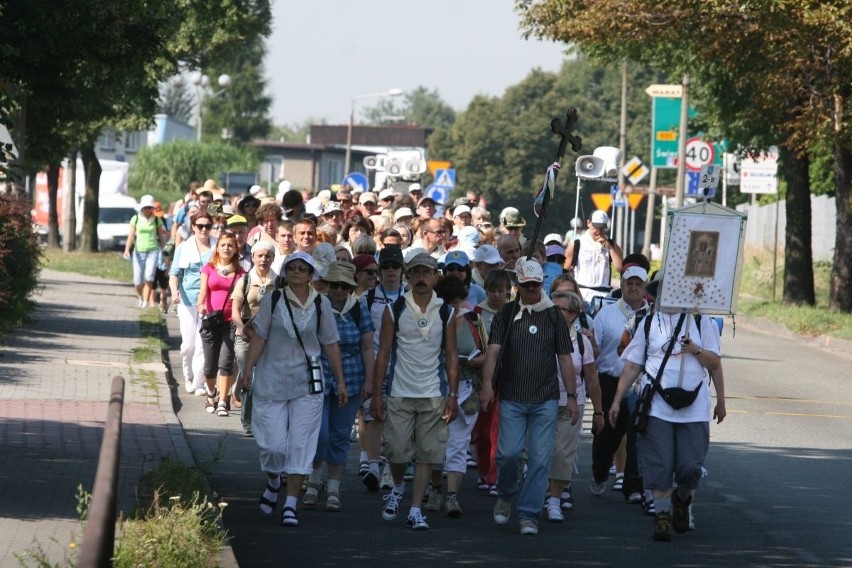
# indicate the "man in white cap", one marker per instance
pixel 535 336
pixel 367 204
pixel 386 198
pixel 592 257
pixel 403 215
pixel 426 208
pixel 485 259
pixel 332 216
pixel 415 190
pixel 612 322
pixel 462 216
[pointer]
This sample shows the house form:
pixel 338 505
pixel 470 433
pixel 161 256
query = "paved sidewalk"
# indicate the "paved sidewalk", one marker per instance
pixel 55 376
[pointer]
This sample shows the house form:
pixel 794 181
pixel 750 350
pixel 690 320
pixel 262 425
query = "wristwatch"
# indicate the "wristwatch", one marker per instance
pixel 453 394
pixel 571 394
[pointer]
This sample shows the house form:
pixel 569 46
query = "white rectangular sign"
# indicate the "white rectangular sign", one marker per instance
pixel 758 174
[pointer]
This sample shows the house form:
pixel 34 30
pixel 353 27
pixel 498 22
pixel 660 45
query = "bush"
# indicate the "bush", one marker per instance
pixel 20 260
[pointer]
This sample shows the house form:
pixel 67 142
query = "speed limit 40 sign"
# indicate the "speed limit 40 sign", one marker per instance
pixel 699 153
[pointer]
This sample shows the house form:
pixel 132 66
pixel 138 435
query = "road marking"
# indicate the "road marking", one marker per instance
pixel 788 399
pixel 799 414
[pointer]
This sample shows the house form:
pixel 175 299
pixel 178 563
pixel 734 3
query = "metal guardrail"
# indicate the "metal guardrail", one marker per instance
pixel 99 534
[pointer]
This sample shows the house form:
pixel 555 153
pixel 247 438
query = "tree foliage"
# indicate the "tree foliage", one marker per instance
pixel 502 145
pixel 422 107
pixel 166 170
pixel 774 71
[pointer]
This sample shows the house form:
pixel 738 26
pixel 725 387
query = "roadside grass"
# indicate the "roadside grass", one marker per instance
pixel 109 265
pixel 755 299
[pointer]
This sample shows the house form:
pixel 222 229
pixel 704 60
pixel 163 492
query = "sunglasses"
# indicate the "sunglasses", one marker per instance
pixel 438 232
pixel 391 266
pixel 529 285
pixel 370 272
pixel 203 226
pixel 339 286
pixel 298 268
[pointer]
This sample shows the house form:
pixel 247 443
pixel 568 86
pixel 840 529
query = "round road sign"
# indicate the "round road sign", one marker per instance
pixel 698 153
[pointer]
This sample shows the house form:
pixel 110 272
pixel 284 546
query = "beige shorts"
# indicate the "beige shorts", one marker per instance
pixel 414 428
pixel 565 446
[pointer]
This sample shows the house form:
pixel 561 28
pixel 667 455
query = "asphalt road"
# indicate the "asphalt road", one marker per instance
pixel 775 494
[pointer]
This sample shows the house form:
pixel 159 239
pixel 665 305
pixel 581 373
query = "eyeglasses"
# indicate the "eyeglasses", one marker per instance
pixel 293 267
pixel 441 232
pixel 339 286
pixel 559 295
pixel 391 266
pixel 370 272
pixel 529 285
pixel 203 226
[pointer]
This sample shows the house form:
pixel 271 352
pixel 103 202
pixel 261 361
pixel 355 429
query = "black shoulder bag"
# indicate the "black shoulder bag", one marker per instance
pixel 216 320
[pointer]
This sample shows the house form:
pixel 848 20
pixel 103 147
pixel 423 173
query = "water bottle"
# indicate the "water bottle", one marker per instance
pixel 315 377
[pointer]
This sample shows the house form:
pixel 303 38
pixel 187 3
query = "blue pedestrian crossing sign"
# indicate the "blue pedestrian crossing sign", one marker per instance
pixel 445 178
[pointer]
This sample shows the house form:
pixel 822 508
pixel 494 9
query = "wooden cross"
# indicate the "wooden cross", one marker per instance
pixel 564 130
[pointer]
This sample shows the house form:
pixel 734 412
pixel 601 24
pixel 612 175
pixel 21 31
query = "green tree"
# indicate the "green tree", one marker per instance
pixel 775 70
pixel 176 101
pixel 421 106
pixel 165 170
pixel 242 109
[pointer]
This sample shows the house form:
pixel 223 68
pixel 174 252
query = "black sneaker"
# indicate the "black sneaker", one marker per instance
pixel 680 512
pixel 663 527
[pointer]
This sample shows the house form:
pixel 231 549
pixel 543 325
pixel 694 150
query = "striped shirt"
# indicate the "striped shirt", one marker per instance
pixel 528 374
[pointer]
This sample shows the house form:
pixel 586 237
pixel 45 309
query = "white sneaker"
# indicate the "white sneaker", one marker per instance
pixel 529 526
pixel 417 521
pixel 554 515
pixel 188 386
pixel 391 507
pixel 201 391
pixel 597 488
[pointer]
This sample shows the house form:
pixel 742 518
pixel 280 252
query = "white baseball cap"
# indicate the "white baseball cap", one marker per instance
pixel 460 209
pixel 600 218
pixel 386 194
pixel 528 271
pixel 635 272
pixel 487 254
pixel 402 212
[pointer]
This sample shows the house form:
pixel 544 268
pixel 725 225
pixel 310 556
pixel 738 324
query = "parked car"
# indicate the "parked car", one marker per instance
pixel 114 221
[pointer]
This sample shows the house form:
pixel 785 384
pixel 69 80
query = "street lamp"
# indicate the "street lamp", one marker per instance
pixel 202 82
pixel 389 93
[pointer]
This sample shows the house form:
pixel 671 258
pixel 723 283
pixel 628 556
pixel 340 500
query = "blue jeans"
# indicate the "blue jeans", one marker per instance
pixel 336 426
pixel 533 426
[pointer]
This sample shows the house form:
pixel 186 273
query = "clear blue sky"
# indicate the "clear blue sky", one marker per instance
pixel 323 53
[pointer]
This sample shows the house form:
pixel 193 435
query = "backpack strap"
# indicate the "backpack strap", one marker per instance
pixel 444 311
pixel 355 313
pixel 371 297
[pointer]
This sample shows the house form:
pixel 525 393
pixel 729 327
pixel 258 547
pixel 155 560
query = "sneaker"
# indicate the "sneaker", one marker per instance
pixel 332 503
pixel 554 515
pixel 371 481
pixel 529 526
pixel 634 498
pixel 618 485
pixel 417 521
pixel 433 501
pixel 454 510
pixel 492 491
pixel 662 527
pixel 363 468
pixel 612 469
pixel 200 391
pixel 680 512
pixel 471 462
pixel 391 507
pixel 502 511
pixel 481 484
pixel 187 384
pixel 648 507
pixel 387 479
pixel 566 501
pixel 597 488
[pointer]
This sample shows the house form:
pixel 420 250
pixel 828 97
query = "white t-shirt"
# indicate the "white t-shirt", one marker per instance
pixel 661 331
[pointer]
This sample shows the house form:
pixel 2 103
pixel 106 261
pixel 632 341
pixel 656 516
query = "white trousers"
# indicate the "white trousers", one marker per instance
pixel 191 353
pixel 458 441
pixel 286 433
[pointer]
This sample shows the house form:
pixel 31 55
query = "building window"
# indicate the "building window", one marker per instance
pixel 333 171
pixel 107 139
pixel 132 141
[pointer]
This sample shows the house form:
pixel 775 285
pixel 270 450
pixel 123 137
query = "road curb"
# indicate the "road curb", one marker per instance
pixel 767 327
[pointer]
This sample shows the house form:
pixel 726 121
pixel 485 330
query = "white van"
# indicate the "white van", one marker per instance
pixel 116 210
